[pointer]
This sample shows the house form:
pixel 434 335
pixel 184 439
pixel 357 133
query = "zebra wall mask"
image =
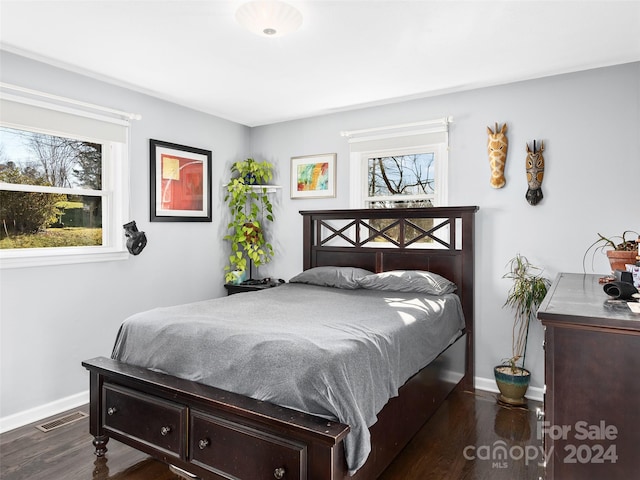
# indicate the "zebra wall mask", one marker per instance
pixel 535 173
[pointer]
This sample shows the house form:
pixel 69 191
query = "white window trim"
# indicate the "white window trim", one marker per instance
pixel 358 155
pixel 115 193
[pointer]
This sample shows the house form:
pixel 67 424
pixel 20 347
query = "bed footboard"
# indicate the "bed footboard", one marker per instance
pixel 206 431
pixel 212 433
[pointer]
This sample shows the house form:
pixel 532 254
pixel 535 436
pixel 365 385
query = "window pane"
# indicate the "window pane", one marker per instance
pixel 401 175
pixel 411 234
pixel 400 204
pixel 31 158
pixel 39 220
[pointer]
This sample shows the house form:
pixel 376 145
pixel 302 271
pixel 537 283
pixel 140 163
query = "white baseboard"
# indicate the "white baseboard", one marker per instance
pixel 489 385
pixel 36 414
pixel 32 415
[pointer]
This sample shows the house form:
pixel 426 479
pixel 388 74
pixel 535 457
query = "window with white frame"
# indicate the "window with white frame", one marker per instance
pixel 402 178
pixel 63 180
pixel 399 166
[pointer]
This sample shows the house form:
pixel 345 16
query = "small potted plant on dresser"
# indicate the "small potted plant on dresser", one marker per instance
pixel 525 296
pixel 621 250
pixel 248 200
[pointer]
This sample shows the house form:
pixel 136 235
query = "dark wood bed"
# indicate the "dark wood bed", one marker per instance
pixel 171 418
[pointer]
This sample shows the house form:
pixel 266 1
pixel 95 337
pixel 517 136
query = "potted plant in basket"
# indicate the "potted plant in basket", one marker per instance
pixel 250 208
pixel 525 296
pixel 620 250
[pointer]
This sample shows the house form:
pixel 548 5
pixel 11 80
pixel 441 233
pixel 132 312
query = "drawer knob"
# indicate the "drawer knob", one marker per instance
pixel 111 410
pixel 164 431
pixel 279 473
pixel 204 443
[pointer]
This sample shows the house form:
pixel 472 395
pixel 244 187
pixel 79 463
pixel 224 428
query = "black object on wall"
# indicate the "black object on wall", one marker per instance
pixel 136 240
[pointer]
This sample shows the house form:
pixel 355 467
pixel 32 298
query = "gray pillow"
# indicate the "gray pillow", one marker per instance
pixel 413 281
pixel 338 277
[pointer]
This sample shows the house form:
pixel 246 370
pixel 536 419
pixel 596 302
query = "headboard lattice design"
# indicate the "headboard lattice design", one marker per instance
pixel 400 232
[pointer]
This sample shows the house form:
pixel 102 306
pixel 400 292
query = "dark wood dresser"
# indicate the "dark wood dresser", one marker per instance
pixel 591 426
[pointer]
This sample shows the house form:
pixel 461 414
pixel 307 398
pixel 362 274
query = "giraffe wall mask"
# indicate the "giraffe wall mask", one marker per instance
pixel 535 173
pixel 497 146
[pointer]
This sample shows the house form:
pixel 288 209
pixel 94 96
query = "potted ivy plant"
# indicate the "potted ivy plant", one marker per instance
pixel 250 208
pixel 526 294
pixel 620 250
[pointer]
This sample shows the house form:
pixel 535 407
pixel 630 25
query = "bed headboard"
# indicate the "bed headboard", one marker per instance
pixel 438 239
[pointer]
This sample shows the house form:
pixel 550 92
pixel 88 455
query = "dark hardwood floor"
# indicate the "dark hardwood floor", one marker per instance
pixel 461 441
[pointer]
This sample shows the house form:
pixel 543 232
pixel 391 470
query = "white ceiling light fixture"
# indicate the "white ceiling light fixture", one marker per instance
pixel 269 18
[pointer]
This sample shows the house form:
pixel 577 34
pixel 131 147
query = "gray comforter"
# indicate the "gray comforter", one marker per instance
pixel 339 354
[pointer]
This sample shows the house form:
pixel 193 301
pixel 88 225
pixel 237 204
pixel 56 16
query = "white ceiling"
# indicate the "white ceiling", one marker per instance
pixel 347 54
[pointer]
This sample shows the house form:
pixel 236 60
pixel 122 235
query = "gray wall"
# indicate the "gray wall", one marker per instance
pixel 43 338
pixel 589 122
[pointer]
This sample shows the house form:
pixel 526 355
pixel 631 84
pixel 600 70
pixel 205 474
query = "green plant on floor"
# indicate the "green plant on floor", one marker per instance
pixel 250 208
pixel 525 296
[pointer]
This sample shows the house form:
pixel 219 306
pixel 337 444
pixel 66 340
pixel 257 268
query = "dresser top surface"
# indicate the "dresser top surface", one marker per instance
pixel 580 299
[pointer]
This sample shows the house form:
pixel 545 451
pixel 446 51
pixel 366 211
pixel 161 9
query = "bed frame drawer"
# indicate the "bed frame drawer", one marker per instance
pixel 232 450
pixel 151 421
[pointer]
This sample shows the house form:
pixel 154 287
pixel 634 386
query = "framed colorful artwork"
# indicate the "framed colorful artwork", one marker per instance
pixel 313 176
pixel 180 183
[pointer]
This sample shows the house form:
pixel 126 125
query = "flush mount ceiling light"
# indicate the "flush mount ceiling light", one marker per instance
pixel 269 18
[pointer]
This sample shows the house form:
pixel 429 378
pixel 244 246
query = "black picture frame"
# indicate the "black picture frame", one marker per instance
pixel 180 183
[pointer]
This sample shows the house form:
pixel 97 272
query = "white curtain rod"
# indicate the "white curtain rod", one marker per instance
pixel 439 121
pixel 49 96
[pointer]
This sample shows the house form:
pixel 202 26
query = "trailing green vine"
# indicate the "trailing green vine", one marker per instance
pixel 250 208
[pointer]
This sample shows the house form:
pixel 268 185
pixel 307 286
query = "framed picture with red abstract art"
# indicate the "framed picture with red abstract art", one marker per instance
pixel 313 176
pixel 180 183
